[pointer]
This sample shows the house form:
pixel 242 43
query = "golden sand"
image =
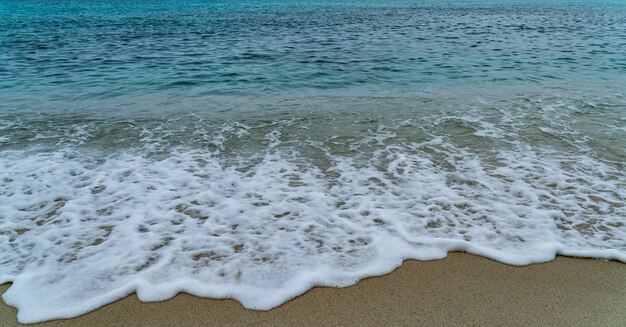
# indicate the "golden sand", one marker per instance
pixel 461 290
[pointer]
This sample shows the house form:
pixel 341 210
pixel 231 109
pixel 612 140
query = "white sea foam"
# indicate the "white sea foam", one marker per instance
pixel 79 229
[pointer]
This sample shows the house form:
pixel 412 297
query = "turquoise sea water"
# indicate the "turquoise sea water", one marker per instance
pixel 254 149
pixel 75 51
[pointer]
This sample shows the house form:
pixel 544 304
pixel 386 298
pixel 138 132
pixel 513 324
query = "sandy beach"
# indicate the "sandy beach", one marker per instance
pixel 243 152
pixel 461 290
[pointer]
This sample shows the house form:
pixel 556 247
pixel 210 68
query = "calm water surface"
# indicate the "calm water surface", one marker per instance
pixel 254 149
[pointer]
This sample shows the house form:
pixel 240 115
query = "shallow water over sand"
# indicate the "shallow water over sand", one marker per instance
pixel 253 150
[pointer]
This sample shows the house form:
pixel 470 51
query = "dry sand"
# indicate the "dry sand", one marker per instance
pixel 461 290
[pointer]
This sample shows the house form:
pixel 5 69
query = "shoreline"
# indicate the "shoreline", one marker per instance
pixel 462 289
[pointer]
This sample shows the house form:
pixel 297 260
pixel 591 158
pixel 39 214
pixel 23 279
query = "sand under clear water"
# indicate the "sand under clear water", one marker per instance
pixel 255 150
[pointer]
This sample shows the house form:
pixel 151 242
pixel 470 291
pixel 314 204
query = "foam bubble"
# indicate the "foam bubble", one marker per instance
pixel 261 211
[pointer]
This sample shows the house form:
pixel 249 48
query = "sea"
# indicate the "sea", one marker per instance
pixel 255 149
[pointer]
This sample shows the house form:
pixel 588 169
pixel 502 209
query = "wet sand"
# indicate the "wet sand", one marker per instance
pixel 461 290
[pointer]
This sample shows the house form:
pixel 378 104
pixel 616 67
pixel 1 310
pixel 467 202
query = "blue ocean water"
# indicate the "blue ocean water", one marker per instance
pixel 255 149
pixel 97 50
